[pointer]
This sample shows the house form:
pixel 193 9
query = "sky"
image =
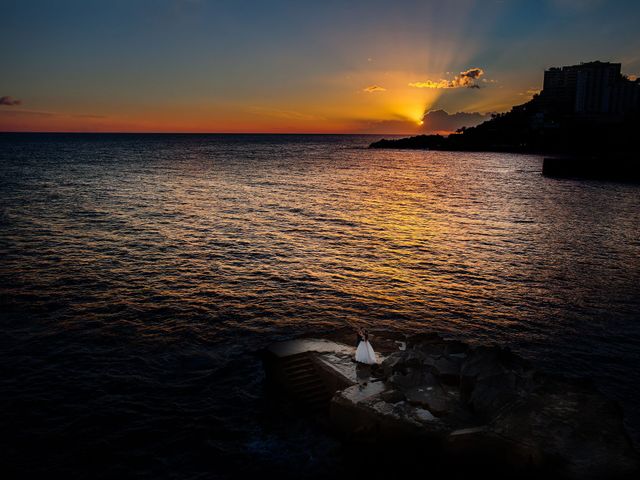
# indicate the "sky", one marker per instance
pixel 279 66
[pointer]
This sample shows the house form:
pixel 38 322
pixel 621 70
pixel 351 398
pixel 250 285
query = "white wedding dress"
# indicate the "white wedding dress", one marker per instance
pixel 365 353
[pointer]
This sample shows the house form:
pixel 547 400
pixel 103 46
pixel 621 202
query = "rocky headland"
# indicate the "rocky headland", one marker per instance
pixel 471 408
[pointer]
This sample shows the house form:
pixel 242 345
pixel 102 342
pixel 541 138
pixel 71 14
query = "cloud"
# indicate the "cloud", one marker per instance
pixel 36 113
pixel 530 93
pixel 19 113
pixel 374 88
pixel 439 121
pixel 466 79
pixel 434 122
pixel 9 101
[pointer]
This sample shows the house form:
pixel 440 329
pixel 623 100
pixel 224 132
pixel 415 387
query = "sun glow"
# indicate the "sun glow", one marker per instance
pixel 412 107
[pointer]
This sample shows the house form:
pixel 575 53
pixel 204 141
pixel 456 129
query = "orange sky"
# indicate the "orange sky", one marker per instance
pixel 282 66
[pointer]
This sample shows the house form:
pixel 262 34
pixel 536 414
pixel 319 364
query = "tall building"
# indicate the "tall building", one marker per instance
pixel 625 96
pixel 592 88
pixel 559 89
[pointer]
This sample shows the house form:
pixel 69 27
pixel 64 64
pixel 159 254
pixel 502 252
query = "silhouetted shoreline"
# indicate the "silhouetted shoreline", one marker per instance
pixel 577 115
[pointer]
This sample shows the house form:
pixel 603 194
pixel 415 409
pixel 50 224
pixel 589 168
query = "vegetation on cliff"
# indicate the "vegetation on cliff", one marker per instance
pixel 533 127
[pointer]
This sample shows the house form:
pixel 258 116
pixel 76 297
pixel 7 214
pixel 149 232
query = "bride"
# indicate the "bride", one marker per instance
pixel 364 352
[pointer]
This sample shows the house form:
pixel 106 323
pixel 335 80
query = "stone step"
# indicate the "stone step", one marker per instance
pixel 299 368
pixel 300 371
pixel 297 360
pixel 301 378
pixel 304 381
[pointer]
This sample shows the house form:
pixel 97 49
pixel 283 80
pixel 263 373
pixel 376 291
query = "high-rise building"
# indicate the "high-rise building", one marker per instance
pixel 592 88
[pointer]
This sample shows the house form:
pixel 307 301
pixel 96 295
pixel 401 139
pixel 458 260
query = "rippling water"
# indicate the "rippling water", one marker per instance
pixel 140 272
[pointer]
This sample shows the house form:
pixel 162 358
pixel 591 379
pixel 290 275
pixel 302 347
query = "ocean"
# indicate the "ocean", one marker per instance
pixel 141 274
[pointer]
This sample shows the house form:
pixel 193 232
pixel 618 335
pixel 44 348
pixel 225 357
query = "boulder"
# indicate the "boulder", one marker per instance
pixel 454 347
pixel 447 369
pixel 488 362
pixel 493 393
pixel 402 361
pixel 433 398
pixel 412 377
pixel 428 344
pixel 393 396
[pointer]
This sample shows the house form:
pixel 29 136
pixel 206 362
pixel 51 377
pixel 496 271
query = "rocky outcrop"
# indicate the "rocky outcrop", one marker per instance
pixel 457 407
pixel 488 403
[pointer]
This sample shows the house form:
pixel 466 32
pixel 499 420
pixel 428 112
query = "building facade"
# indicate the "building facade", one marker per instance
pixel 592 88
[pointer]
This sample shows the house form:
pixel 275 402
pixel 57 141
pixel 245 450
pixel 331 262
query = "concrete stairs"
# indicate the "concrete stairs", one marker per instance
pixel 305 384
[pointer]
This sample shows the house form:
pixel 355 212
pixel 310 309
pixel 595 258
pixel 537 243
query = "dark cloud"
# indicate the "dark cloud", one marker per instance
pixel 439 121
pixel 374 88
pixel 472 73
pixel 17 112
pixel 9 101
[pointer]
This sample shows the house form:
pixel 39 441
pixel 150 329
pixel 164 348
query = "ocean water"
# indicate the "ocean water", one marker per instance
pixel 139 274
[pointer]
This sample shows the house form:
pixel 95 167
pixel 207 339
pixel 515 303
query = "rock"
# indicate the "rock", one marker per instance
pixel 430 344
pixel 454 347
pixel 492 393
pixel 392 363
pixel 447 369
pixel 486 362
pixel 402 361
pixel 423 415
pixel 392 396
pixel 433 398
pixel 412 378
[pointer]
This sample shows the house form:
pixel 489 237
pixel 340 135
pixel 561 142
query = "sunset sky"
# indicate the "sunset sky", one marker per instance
pixel 291 66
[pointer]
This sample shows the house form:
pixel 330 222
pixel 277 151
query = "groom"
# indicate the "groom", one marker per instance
pixel 360 335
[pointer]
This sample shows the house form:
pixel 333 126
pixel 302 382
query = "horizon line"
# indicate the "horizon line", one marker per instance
pixel 198 133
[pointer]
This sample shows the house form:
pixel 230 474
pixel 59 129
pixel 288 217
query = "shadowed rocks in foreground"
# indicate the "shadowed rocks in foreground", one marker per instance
pixel 453 404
